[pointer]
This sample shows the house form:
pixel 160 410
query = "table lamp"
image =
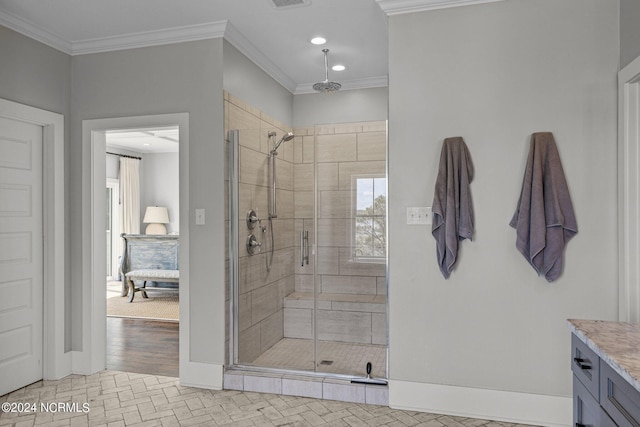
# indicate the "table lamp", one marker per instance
pixel 156 217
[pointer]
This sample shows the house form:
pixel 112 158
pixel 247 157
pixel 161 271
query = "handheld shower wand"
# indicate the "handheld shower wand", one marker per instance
pixel 273 208
pixel 273 211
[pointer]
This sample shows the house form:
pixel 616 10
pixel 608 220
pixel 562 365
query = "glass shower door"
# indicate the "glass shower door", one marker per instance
pixel 308 279
pixel 350 224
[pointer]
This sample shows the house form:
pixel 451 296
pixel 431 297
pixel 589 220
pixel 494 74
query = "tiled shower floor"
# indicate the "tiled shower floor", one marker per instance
pixel 333 357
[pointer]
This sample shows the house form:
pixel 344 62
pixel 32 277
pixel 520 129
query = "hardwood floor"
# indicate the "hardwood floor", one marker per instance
pixel 142 346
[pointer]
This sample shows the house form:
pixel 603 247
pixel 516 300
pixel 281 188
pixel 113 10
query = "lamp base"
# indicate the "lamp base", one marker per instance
pixel 155 228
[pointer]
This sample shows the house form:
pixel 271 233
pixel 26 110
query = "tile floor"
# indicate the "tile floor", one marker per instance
pixel 333 357
pixel 117 399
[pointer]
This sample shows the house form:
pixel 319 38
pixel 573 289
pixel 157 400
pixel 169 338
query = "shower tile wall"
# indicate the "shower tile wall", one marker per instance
pixel 261 293
pixel 352 300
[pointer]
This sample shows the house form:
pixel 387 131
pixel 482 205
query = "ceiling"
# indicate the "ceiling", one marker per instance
pixel 151 140
pixel 275 38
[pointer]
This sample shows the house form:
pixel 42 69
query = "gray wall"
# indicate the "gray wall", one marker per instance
pixel 355 105
pixel 185 77
pixel 160 186
pixel 629 31
pixel 245 80
pixel 494 74
pixel 159 182
pixel 37 75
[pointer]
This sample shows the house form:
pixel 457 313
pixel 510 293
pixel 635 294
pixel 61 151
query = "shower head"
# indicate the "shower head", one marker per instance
pixel 286 137
pixel 326 85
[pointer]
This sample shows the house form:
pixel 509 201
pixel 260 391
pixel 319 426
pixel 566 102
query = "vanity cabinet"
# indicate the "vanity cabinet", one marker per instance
pixel 605 361
pixel 585 365
pixel 618 398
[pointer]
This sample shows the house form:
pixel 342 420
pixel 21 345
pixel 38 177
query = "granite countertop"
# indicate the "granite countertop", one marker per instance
pixel 617 343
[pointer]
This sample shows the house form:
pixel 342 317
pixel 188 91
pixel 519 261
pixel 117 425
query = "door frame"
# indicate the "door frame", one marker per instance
pixel 629 192
pixel 56 361
pixel 94 327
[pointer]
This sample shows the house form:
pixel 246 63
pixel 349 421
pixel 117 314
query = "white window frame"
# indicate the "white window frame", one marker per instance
pixel 114 184
pixel 354 217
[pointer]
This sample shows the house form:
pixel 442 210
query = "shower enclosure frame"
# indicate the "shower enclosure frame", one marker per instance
pixel 234 246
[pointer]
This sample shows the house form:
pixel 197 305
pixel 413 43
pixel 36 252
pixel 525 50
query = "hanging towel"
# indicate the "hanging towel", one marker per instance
pixel 452 209
pixel 544 219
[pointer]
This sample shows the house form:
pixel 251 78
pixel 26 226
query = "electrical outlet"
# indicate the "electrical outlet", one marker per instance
pixel 419 215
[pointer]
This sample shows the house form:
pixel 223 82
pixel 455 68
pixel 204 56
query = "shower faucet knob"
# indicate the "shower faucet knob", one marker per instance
pixel 252 219
pixel 253 246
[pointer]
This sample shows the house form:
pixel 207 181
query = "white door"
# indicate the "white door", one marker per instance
pixel 21 254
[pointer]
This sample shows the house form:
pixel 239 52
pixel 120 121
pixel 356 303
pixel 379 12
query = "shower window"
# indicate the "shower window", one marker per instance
pixel 369 213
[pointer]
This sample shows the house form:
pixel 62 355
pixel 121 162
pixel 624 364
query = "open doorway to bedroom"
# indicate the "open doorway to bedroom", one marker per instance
pixel 142 233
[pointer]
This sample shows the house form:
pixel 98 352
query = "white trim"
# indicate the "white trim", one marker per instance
pixel 629 192
pixel 398 7
pixel 92 358
pixel 116 250
pixel 512 407
pixel 365 83
pixel 240 42
pixel 210 30
pixel 201 375
pixel 56 363
pixel 30 30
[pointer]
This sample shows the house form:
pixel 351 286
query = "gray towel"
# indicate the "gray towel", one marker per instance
pixel 452 209
pixel 544 219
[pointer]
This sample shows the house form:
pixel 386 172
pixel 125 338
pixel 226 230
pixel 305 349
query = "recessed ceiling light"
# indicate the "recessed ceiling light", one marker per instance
pixel 318 40
pixel 338 68
pixel 146 144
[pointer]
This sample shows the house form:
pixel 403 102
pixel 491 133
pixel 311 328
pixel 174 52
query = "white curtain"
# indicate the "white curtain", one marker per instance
pixel 130 195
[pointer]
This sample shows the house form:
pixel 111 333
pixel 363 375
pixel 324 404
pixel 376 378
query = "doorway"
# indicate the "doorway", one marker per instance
pixel 96 133
pixel 143 165
pixel 629 191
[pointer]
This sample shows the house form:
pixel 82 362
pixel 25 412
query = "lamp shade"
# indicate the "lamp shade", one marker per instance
pixel 156 215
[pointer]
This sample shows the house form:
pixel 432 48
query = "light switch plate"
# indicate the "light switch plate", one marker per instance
pixel 419 215
pixel 199 216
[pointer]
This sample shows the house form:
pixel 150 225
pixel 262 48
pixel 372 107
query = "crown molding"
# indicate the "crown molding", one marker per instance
pixel 26 28
pixel 219 29
pixel 248 49
pixel 398 7
pixel 187 33
pixel 366 83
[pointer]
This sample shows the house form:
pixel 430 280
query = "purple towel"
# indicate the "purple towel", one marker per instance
pixel 452 207
pixel 544 219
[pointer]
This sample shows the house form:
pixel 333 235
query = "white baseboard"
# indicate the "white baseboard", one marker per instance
pixel 513 407
pixel 59 368
pixel 201 375
pixel 81 363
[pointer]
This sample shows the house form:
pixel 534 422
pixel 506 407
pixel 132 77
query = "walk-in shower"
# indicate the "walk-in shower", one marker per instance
pixel 311 297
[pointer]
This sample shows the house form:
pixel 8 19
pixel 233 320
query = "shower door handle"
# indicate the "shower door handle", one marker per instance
pixel 304 247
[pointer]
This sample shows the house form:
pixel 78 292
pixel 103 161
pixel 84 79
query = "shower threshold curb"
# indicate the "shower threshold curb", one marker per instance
pixel 318 386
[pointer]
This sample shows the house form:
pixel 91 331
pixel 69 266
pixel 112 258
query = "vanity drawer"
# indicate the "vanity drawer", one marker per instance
pixel 585 364
pixel 586 411
pixel 619 398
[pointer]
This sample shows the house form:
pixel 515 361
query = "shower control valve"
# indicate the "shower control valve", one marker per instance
pixel 252 219
pixel 253 246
